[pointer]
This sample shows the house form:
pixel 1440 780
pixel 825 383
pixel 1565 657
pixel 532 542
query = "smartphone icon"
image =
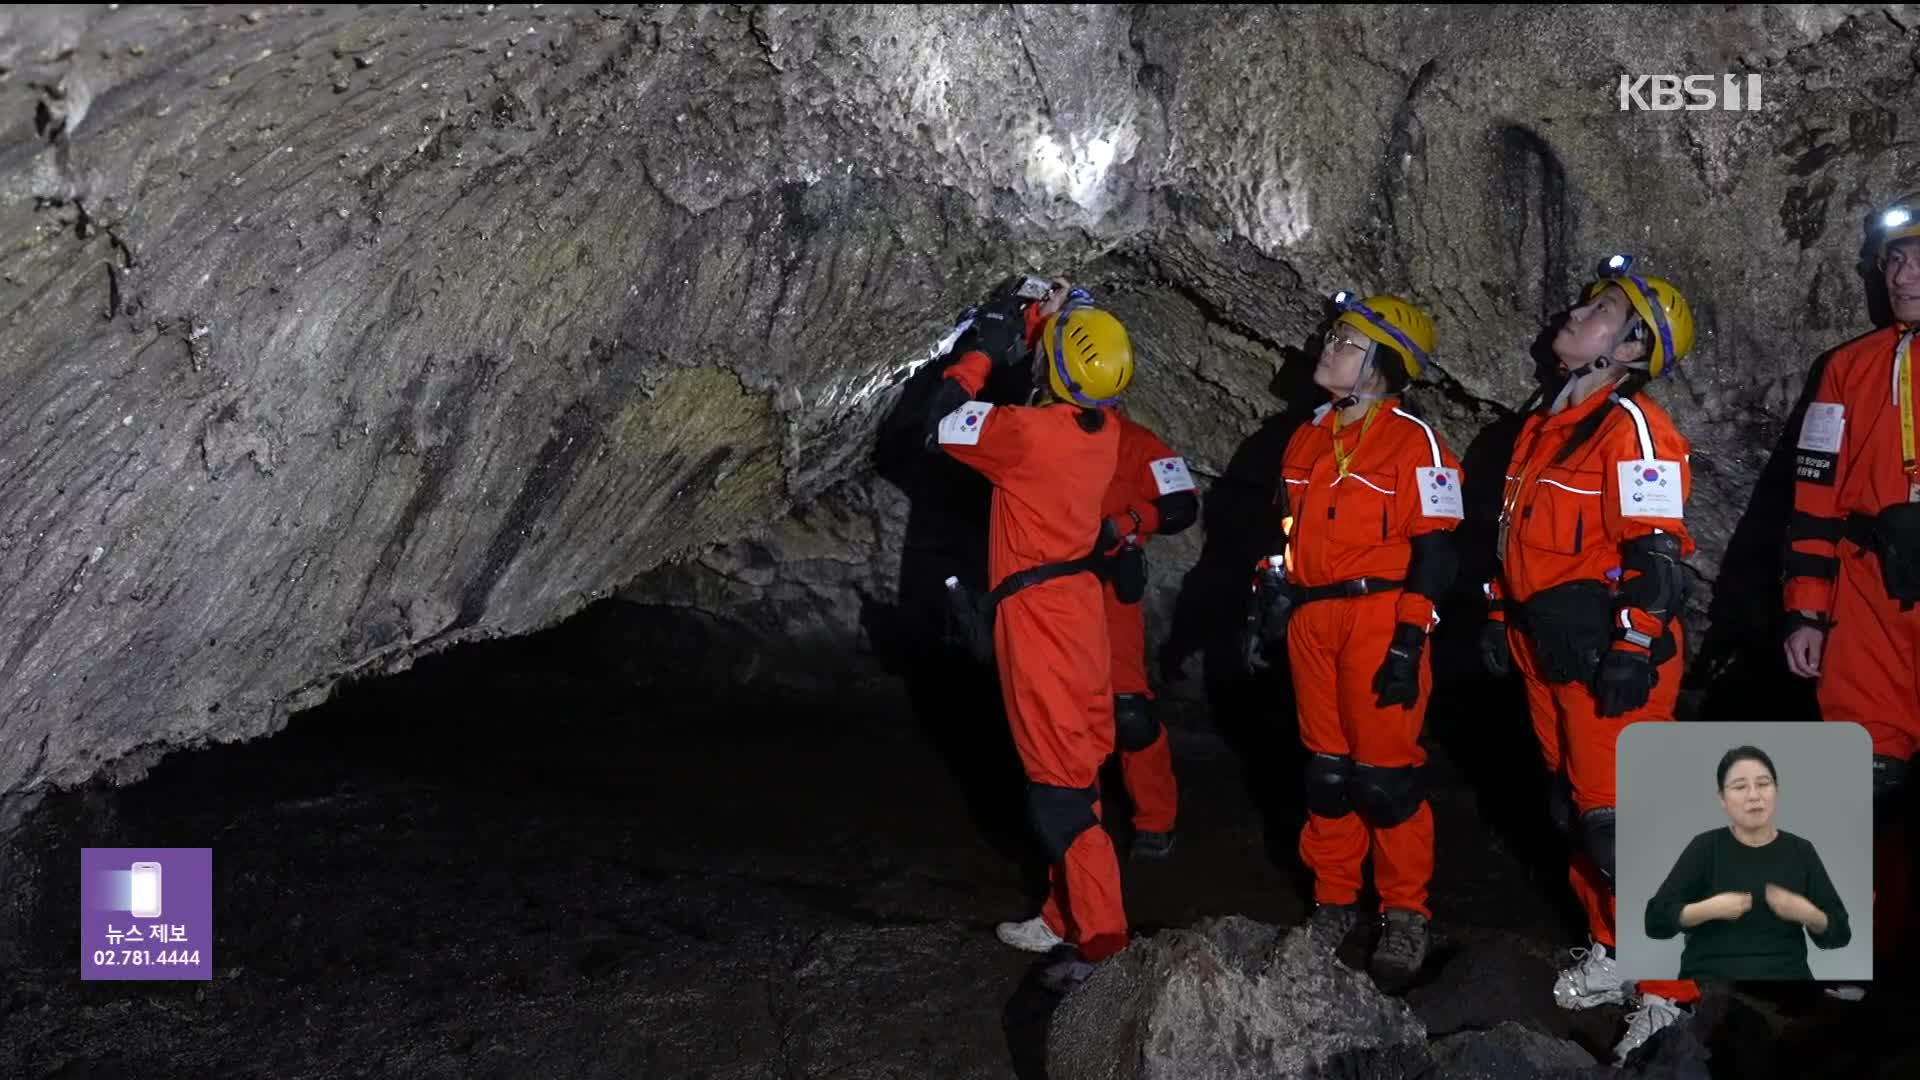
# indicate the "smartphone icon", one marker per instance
pixel 146 890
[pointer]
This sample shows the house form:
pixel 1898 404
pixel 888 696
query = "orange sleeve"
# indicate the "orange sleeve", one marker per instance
pixel 1641 434
pixel 992 440
pixel 1140 449
pixel 1645 456
pixel 1431 501
pixel 970 371
pixel 1813 532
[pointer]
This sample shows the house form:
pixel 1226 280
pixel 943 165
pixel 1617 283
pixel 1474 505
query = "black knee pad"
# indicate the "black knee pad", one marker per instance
pixel 1387 796
pixel 1561 809
pixel 1327 778
pixel 1134 727
pixel 1059 814
pixel 1596 835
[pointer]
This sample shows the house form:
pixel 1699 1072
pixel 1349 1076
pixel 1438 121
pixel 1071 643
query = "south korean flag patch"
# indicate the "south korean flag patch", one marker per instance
pixel 1440 495
pixel 1170 475
pixel 961 427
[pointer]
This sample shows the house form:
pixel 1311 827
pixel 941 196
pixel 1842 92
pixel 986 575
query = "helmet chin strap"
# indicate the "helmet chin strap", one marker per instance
pixel 1353 395
pixel 1599 363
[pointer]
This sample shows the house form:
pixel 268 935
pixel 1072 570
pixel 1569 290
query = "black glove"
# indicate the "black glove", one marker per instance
pixel 1000 331
pixel 1398 680
pixel 1624 682
pixel 1253 645
pixel 1496 655
pixel 1127 569
pixel 1269 606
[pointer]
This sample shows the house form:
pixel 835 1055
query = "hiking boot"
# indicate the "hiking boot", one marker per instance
pixel 1151 845
pixel 1591 980
pixel 1330 924
pixel 1653 1013
pixel 1402 948
pixel 1033 935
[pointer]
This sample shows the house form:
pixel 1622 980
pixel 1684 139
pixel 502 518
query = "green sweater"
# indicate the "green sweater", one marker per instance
pixel 1759 944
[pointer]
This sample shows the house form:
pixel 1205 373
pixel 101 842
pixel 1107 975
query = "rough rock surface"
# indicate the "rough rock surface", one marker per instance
pixel 1227 998
pixel 1234 999
pixel 338 335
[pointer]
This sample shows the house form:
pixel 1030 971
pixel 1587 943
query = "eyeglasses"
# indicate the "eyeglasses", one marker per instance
pixel 1335 339
pixel 1739 787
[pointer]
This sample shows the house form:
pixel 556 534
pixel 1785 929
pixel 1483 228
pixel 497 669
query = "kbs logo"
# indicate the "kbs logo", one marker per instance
pixel 1694 93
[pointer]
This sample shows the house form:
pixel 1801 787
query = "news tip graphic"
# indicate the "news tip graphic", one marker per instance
pixel 146 913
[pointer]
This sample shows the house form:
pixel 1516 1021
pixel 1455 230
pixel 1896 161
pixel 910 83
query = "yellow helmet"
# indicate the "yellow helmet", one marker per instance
pixel 1660 306
pixel 1897 222
pixel 1088 355
pixel 1392 322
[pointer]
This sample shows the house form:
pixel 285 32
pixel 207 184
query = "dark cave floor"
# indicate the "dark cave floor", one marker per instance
pixel 501 864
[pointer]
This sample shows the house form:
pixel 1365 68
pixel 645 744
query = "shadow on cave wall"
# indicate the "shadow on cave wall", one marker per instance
pixel 955 700
pixel 1741 673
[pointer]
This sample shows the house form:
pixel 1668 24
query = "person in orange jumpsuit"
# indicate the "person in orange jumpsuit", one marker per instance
pixel 1152 494
pixel 1852 567
pixel 1591 583
pixel 1371 496
pixel 1050 465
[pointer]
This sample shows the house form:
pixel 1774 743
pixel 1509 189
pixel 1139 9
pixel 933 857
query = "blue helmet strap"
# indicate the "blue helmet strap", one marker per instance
pixel 1076 300
pixel 1659 319
pixel 1418 354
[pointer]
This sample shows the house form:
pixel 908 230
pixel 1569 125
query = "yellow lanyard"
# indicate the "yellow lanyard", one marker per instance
pixel 1903 363
pixel 1342 457
pixel 1518 486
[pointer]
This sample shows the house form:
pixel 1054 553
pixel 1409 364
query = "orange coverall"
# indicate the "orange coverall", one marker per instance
pixel 1050 643
pixel 1850 460
pixel 1148 471
pixel 1344 523
pixel 1565 521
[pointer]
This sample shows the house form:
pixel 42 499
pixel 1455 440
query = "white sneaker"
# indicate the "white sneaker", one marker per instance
pixel 1653 1013
pixel 1848 992
pixel 1591 980
pixel 1031 936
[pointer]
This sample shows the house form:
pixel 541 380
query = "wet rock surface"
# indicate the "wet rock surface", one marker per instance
pixel 340 335
pixel 406 883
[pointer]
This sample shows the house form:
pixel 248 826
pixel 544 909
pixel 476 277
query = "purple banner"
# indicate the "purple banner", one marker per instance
pixel 146 913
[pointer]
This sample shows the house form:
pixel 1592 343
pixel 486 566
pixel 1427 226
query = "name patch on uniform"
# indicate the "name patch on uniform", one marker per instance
pixel 1815 468
pixel 1651 488
pixel 1440 493
pixel 1170 475
pixel 1820 431
pixel 961 427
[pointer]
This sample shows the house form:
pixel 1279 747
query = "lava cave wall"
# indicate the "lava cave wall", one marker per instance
pixel 338 335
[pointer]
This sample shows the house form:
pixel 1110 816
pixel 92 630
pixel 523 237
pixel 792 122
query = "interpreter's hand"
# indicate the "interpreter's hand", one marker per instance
pixel 1729 905
pixel 1805 647
pixel 1790 905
